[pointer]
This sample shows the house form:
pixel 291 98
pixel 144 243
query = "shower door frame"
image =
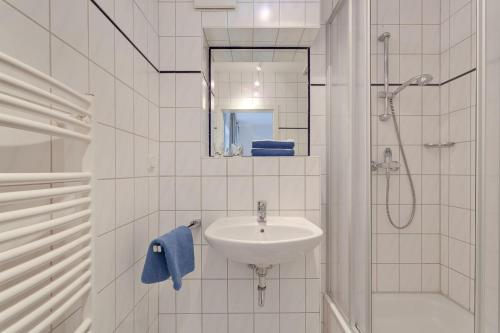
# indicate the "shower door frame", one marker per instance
pixel 359 296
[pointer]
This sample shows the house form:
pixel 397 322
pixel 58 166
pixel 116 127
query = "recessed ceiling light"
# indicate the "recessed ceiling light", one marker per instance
pixel 264 14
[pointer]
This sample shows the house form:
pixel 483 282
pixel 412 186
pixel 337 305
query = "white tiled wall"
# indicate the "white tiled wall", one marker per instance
pixel 458 37
pixel 286 91
pixel 458 124
pixel 436 253
pixel 75 43
pixel 406 260
pixel 220 295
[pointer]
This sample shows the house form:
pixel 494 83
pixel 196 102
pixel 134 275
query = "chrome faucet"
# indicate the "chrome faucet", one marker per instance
pixel 261 211
pixel 388 164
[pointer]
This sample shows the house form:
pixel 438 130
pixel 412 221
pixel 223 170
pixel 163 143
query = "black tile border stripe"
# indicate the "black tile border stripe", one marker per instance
pixel 457 77
pixel 430 84
pixel 135 46
pixel 318 84
pixel 179 72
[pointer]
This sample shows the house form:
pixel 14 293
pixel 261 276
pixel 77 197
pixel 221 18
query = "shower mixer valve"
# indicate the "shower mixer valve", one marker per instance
pixel 388 164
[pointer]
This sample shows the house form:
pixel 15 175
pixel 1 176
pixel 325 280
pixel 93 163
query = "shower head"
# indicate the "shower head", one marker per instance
pixel 421 80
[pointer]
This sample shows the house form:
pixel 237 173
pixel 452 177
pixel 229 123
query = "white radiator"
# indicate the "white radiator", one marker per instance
pixel 45 226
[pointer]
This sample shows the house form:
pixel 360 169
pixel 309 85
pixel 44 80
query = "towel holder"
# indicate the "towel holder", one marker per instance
pixel 193 225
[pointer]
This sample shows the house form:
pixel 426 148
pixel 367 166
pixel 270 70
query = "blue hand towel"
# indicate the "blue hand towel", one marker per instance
pixel 175 260
pixel 272 152
pixel 275 144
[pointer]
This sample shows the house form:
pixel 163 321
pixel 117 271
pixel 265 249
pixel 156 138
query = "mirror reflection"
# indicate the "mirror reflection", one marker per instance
pixel 259 102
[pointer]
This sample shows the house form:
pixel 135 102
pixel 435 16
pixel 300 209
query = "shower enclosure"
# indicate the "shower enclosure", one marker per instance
pixel 423 222
pixel 419 148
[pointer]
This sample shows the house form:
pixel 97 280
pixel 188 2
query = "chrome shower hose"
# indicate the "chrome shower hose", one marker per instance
pixel 408 173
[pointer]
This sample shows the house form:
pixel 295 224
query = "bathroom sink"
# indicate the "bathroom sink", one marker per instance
pixel 279 240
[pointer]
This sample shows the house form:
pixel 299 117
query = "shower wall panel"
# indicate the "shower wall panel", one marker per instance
pixel 458 163
pixel 406 260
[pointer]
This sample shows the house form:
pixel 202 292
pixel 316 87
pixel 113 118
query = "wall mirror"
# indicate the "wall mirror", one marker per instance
pixel 259 101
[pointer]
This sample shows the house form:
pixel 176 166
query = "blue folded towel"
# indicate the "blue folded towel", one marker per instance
pixel 175 260
pixel 272 152
pixel 274 144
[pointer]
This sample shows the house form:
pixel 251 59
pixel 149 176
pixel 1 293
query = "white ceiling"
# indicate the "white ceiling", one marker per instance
pixel 260 55
pixel 269 67
pixel 260 36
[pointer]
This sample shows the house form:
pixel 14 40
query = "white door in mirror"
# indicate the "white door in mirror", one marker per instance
pixel 278 240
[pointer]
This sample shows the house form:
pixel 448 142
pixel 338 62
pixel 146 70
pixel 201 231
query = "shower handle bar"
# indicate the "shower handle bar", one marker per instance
pixel 385 39
pixel 439 145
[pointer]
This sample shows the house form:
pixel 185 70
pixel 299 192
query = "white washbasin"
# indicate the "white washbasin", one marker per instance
pixel 279 240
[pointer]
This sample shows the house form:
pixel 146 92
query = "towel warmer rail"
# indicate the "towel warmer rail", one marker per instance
pixel 45 218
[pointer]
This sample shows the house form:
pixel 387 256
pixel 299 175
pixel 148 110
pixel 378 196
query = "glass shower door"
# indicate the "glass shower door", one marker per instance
pixel 349 160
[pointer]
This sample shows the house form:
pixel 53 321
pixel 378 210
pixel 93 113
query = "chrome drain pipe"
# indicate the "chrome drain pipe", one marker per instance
pixel 261 272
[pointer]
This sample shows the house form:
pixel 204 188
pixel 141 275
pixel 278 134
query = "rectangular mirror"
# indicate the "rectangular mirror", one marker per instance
pixel 259 101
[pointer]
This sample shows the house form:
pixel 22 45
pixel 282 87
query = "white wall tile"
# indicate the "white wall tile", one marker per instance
pixel 167 53
pixel 105 262
pixel 167 21
pixel 105 153
pixel 292 192
pixel 240 323
pixel 240 193
pixel 239 167
pixel 68 65
pixel 187 159
pixel 188 53
pixel 215 323
pixel 292 322
pixel 167 193
pixel 292 295
pixel 410 11
pixel 104 212
pixel 187 85
pixel 188 298
pixel 69 22
pixel 187 123
pixel 105 306
pixel 188 21
pixel 215 296
pixel 187 193
pixel 124 16
pixel 267 323
pixel 214 193
pixel 101 40
pixel 124 295
pixel 188 323
pixel 267 188
pixel 213 167
pixel 240 296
